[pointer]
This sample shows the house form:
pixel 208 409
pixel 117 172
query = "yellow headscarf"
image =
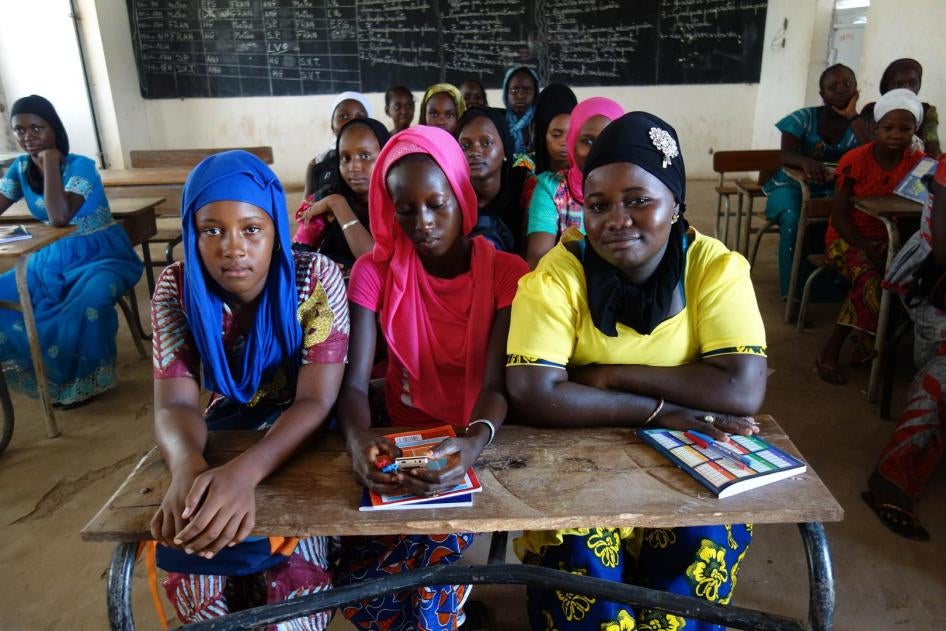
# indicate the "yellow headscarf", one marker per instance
pixel 437 88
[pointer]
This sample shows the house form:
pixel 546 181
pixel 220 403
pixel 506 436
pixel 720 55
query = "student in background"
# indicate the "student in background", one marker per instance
pixel 856 243
pixel 347 106
pixel 399 106
pixel 557 200
pixel 76 281
pixel 642 321
pixel 552 111
pixel 336 222
pixel 442 106
pixel 498 184
pixel 520 87
pixel 908 73
pixel 916 446
pixel 267 328
pixel 813 140
pixel 441 301
pixel 474 95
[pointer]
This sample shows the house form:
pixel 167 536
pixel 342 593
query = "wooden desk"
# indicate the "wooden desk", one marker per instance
pixel 532 479
pixel 17 253
pixel 137 215
pixel 887 209
pixel 152 176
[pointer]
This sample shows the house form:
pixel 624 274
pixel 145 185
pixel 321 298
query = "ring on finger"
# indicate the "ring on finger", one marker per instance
pixel 709 418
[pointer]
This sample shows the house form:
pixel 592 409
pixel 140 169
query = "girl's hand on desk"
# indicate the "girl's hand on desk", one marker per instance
pixel 220 508
pixel 460 453
pixel 816 171
pixel 365 449
pixel 168 521
pixel 722 424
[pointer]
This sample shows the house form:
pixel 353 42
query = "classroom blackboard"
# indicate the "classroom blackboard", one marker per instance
pixel 228 48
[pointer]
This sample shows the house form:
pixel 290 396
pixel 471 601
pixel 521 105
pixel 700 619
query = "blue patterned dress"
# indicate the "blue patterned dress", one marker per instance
pixel 74 285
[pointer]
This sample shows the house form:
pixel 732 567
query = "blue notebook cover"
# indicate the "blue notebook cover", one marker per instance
pixel 725 476
pixel 912 185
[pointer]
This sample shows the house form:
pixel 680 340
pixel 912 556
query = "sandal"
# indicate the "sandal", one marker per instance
pixel 898 519
pixel 831 374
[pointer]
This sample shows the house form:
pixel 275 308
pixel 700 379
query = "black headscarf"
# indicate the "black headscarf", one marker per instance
pixel 652 144
pixel 555 99
pixel 896 66
pixel 333 243
pixel 38 106
pixel 506 205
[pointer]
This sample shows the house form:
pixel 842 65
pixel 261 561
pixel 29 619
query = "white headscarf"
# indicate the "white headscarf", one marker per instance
pixel 899 99
pixel 354 96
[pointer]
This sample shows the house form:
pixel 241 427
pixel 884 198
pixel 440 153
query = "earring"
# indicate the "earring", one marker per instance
pixel 674 219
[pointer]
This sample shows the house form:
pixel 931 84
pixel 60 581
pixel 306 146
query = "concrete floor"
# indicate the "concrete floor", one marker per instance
pixel 50 488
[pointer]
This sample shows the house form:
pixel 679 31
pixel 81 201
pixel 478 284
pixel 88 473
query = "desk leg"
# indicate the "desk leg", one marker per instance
pixel 497 547
pixel 36 350
pixel 820 576
pixel 748 232
pixel 149 266
pixel 119 587
pixel 7 431
pixel 883 316
pixel 738 235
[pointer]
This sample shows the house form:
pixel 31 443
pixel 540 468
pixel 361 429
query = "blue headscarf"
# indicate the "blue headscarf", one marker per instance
pixel 515 123
pixel 276 334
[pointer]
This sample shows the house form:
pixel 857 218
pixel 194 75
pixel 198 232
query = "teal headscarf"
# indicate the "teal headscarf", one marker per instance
pixel 276 335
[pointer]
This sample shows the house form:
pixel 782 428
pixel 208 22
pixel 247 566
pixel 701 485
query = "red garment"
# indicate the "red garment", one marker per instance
pixel 870 180
pixel 425 330
pixel 589 108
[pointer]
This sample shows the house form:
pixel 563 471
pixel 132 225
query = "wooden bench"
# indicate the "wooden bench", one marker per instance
pixel 763 162
pixel 532 479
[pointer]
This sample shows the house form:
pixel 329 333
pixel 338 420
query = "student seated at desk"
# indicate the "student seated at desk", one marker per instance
pixel 441 301
pixel 556 202
pixel 498 184
pixel 856 243
pixel 335 220
pixel 520 88
pixel 399 106
pixel 641 322
pixel 908 73
pixel 268 330
pixel 811 138
pixel 74 282
pixel 917 443
pixel 442 106
pixel 321 169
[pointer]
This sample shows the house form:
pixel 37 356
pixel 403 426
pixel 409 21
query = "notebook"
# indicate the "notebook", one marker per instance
pixel 9 234
pixel 416 443
pixel 912 185
pixel 724 476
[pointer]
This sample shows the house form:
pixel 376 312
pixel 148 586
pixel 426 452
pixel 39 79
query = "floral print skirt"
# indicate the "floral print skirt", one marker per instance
pixel 699 561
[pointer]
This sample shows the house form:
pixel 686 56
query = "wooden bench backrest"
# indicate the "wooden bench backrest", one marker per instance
pixel 764 161
pixel 189 157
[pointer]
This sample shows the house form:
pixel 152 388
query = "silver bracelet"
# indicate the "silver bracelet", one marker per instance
pixel 349 224
pixel 653 415
pixel 489 424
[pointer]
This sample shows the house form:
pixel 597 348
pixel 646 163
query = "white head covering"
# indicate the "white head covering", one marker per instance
pixel 899 99
pixel 354 96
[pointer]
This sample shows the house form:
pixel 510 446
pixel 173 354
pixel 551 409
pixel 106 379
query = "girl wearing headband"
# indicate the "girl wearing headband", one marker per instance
pixel 640 321
pixel 74 282
pixel 441 301
pixel 856 243
pixel 265 330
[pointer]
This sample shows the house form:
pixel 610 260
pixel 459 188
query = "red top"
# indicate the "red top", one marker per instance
pixel 870 180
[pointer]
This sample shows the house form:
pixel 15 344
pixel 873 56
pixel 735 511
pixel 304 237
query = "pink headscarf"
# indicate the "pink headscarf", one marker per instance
pixel 407 297
pixel 595 106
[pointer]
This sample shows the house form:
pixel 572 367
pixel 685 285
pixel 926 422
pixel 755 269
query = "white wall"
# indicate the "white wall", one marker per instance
pixel 39 55
pixel 898 29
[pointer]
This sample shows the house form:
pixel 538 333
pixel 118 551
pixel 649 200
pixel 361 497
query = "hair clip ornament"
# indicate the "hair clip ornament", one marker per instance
pixel 665 144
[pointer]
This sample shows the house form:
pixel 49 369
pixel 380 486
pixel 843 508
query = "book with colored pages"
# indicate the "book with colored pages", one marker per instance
pixel 417 443
pixel 726 469
pixel 9 234
pixel 912 185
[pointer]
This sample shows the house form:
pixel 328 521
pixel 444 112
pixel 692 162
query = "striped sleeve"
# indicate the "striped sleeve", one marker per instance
pixel 323 309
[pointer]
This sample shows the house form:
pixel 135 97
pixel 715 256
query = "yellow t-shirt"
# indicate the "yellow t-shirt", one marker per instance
pixel 552 326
